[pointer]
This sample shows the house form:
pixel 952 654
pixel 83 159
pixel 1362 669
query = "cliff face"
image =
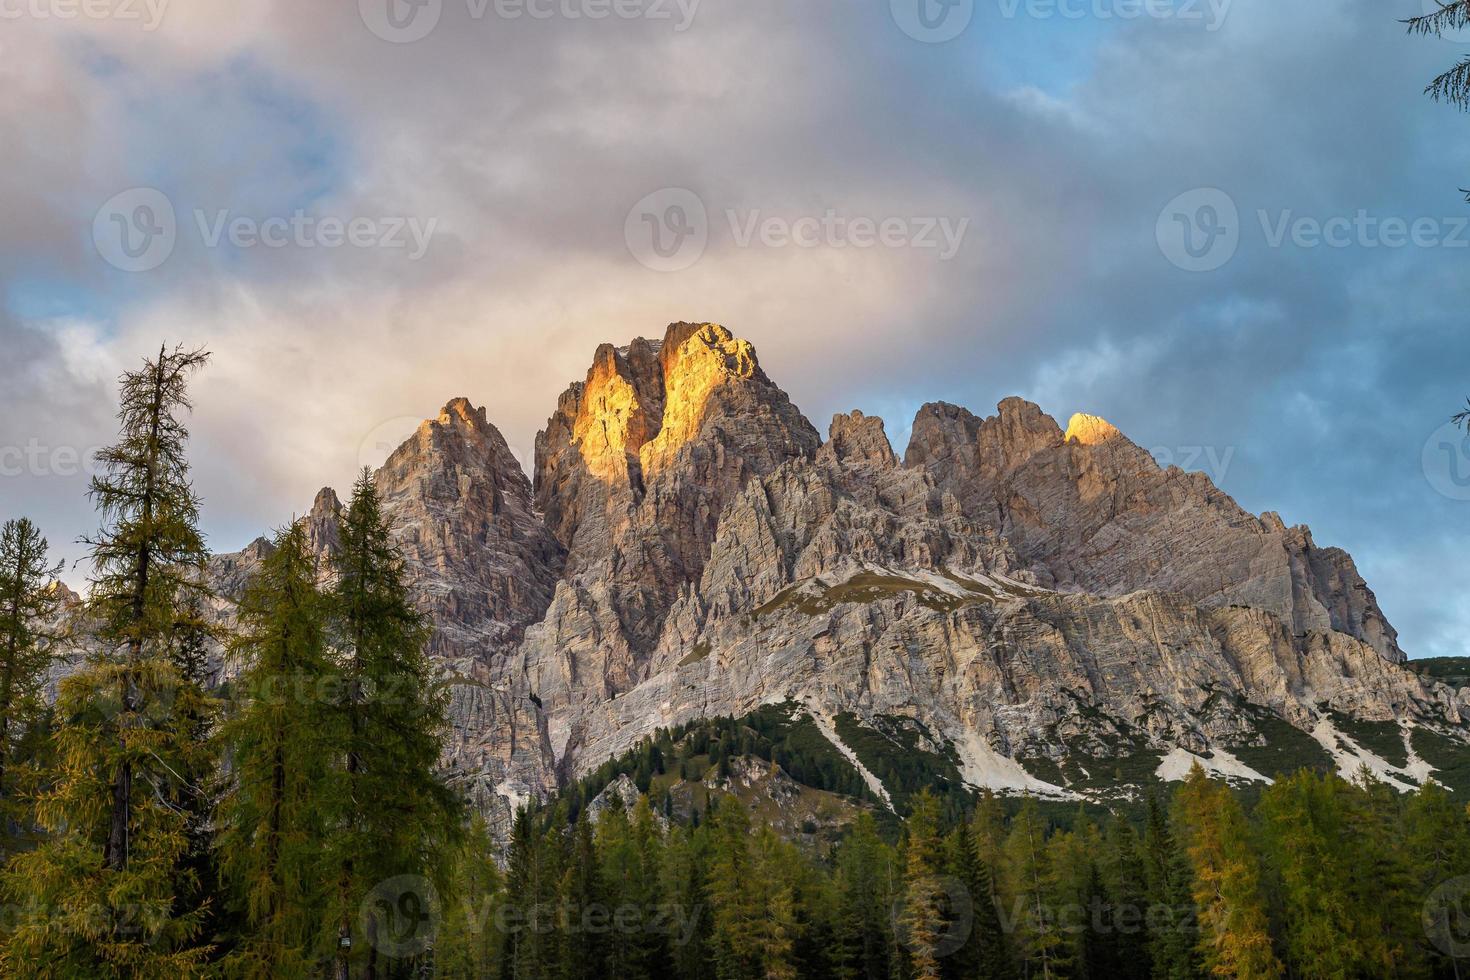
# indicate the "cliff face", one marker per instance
pixel 1093 512
pixel 1038 599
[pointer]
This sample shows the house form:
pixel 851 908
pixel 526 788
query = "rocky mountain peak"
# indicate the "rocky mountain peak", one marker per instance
pixel 1090 430
pixel 656 409
pixel 856 438
pixel 323 535
pixel 1088 510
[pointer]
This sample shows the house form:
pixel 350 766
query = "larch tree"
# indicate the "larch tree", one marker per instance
pixel 581 899
pixel 1037 939
pixel 922 919
pixel 734 895
pixel 28 603
pixel 399 816
pixel 282 738
pixel 110 890
pixel 1235 938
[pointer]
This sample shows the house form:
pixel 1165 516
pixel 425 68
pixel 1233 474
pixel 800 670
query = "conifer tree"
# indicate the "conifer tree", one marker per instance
pixel 110 891
pixel 1125 883
pixel 531 877
pixel 682 881
pixel 734 899
pixel 1234 935
pixel 468 945
pixel 782 926
pixel 987 831
pixel 1169 918
pixel 398 816
pixel 1436 838
pixel 923 907
pixel 197 715
pixel 282 739
pixel 582 900
pixel 962 865
pixel 863 877
pixel 1383 881
pixel 630 854
pixel 28 602
pixel 1026 858
pixel 1066 885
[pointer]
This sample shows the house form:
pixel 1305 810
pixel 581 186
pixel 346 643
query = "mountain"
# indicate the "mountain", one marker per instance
pixel 1011 605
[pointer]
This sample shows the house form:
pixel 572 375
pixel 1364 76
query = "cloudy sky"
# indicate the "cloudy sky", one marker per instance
pixel 1230 227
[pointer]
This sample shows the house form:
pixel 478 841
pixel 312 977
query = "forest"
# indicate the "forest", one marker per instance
pixel 294 820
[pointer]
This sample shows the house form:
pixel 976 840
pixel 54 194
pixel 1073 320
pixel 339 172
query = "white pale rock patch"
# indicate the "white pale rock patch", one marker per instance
pixel 1175 767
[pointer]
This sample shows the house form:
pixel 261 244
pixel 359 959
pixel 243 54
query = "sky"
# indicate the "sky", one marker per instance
pixel 1231 227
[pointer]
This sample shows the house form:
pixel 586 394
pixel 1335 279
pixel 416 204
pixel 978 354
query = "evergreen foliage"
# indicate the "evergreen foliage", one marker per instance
pixel 28 607
pixel 110 891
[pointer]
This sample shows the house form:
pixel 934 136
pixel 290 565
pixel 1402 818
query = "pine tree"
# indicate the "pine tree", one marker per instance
pixel 1169 918
pixel 282 739
pixel 531 877
pixel 682 881
pixel 865 896
pixel 28 603
pixel 468 945
pixel 1026 859
pixel 109 892
pixel 733 897
pixel 1124 881
pixel 1235 940
pixel 782 926
pixel 923 908
pixel 582 900
pixel 399 817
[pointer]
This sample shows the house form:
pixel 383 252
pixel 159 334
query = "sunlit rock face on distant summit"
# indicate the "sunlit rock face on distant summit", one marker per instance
pixel 1040 605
